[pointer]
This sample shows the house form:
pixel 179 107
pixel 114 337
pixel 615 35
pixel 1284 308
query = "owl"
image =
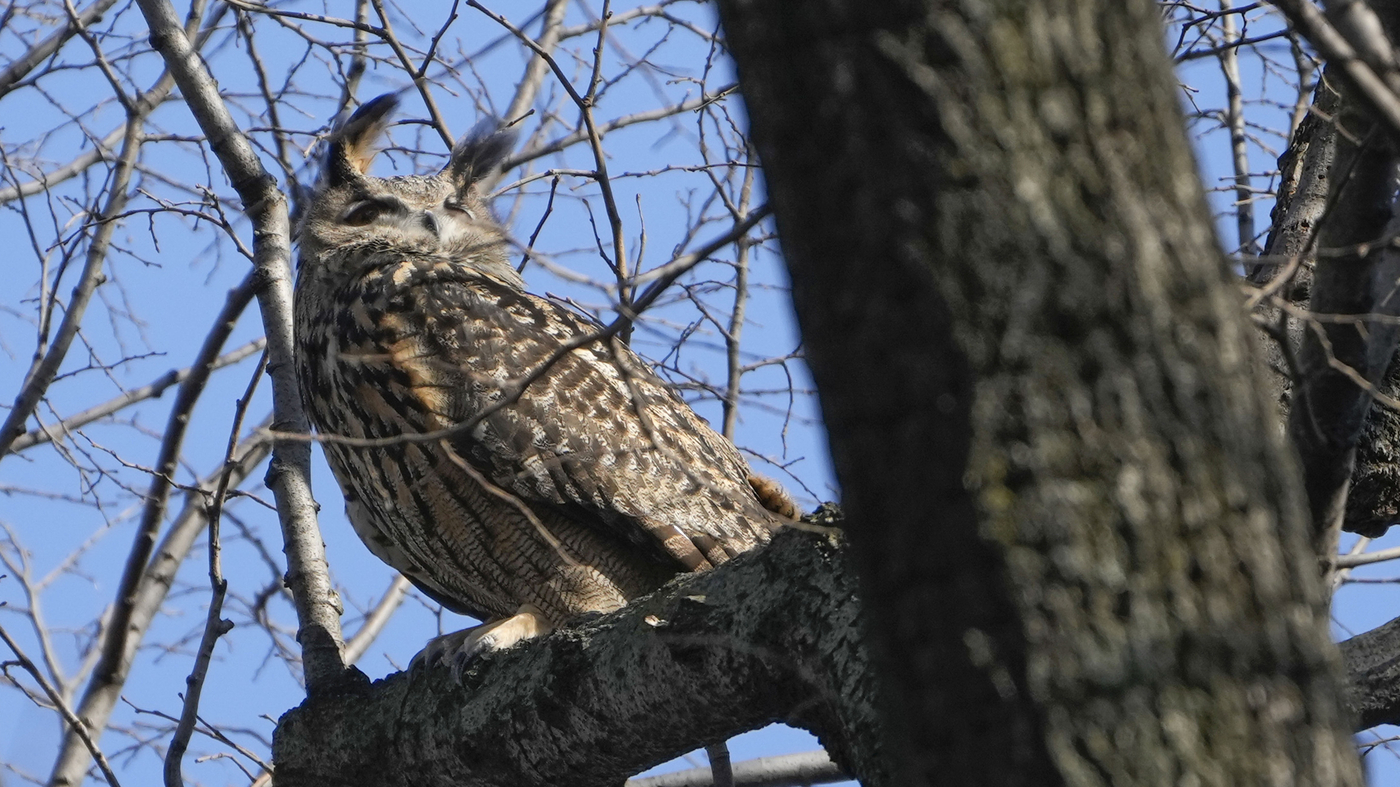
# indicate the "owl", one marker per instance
pixel 527 467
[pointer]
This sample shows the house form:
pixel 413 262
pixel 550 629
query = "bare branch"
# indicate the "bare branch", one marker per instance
pixel 152 390
pixel 214 626
pixel 356 645
pixel 75 725
pixel 1377 88
pixel 290 477
pixel 784 770
pixel 46 363
pixel 22 65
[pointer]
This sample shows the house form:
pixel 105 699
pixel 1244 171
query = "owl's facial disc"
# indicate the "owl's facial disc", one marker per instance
pixel 439 222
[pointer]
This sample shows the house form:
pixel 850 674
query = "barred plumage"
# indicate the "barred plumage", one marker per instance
pixel 592 486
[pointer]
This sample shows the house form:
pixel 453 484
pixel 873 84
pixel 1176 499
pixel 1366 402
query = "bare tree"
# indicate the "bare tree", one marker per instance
pixel 1080 550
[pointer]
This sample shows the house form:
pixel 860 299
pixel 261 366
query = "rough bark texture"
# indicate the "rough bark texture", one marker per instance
pixel 1328 406
pixel 1374 501
pixel 1312 187
pixel 770 636
pixel 1082 543
pixel 1362 283
pixel 1305 171
pixel 1373 663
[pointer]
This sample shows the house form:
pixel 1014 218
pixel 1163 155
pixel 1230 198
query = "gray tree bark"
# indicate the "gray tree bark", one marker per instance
pixel 1082 546
pixel 769 636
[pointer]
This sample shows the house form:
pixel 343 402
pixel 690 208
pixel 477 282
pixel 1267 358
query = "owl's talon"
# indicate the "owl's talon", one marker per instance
pixel 460 648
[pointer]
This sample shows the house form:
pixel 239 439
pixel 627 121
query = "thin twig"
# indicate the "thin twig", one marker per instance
pixel 215 625
pixel 151 390
pixel 73 722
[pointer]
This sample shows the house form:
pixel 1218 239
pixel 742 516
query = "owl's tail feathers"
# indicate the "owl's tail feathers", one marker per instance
pixel 773 497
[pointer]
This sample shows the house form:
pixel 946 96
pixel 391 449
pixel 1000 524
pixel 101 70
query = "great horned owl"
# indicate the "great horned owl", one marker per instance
pixel 591 486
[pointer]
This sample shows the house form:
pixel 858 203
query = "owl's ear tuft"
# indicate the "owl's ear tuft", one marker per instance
pixel 352 143
pixel 480 153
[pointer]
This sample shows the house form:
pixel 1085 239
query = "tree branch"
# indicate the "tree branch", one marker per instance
pixel 46 363
pixel 104 687
pixel 1374 675
pixel 151 390
pixel 783 770
pixel 771 635
pixel 20 67
pixel 289 477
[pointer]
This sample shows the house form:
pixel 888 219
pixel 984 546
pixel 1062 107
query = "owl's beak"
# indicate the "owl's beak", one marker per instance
pixel 432 224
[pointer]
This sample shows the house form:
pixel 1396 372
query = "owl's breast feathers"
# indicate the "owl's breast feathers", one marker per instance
pixel 594 443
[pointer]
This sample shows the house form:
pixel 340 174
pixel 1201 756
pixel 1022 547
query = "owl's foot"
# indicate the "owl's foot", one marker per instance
pixel 460 647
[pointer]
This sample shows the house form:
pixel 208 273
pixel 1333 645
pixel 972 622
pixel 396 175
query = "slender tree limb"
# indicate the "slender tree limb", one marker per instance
pixel 420 81
pixel 114 664
pixel 147 102
pixel 535 69
pixel 47 362
pixel 594 134
pixel 103 689
pixel 151 390
pixel 530 83
pixel 75 725
pixel 1376 89
pixel 734 376
pixel 607 127
pixel 721 767
pixel 1239 143
pixel 100 151
pixel 214 625
pixel 1361 558
pixel 783 770
pixel 356 645
pixel 20 67
pixel 318 608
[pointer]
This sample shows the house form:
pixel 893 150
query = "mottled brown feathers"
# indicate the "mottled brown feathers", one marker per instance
pixel 588 488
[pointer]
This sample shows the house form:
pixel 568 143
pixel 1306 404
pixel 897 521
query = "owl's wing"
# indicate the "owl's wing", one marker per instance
pixel 597 434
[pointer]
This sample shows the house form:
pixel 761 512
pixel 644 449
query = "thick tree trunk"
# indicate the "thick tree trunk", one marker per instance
pixel 1082 544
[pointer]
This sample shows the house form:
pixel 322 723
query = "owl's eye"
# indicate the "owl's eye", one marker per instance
pixel 364 213
pixel 455 205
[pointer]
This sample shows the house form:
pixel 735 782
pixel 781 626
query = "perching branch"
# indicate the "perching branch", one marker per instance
pixel 771 635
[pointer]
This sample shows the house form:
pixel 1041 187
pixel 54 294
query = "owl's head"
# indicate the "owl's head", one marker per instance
pixel 352 212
